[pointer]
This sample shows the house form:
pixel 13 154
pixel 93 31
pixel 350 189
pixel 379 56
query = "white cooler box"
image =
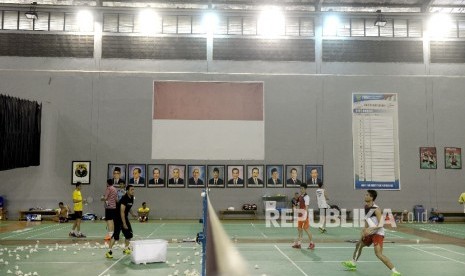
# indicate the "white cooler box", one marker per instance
pixel 148 251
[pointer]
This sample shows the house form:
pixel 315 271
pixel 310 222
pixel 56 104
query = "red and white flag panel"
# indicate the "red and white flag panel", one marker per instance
pixel 208 120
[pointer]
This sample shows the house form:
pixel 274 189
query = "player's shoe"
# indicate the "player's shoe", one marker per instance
pixel 80 235
pixel 296 245
pixel 397 273
pixel 322 230
pixel 311 246
pixel 107 237
pixel 349 265
pixel 127 251
pixel 72 234
pixel 109 255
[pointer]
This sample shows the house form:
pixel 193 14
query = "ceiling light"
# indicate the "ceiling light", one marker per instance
pixel 32 13
pixel 380 20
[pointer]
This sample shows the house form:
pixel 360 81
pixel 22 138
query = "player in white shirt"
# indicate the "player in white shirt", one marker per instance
pixel 373 233
pixel 322 200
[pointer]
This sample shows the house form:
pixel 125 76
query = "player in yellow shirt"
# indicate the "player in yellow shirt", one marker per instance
pixel 462 200
pixel 77 200
pixel 143 212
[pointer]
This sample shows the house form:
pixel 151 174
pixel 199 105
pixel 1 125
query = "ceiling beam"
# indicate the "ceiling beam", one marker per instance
pixel 318 4
pixel 426 5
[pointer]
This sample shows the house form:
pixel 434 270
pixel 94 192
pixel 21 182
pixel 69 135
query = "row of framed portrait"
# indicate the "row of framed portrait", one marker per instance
pixel 215 176
pixel 429 159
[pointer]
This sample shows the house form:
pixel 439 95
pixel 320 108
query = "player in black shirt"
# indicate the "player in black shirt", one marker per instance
pixel 122 224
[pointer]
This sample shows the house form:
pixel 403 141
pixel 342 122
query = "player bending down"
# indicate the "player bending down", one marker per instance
pixel 373 233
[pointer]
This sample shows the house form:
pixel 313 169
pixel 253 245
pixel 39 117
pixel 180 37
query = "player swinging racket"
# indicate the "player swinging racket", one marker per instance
pixel 373 233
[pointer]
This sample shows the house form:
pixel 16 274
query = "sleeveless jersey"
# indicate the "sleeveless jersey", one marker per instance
pixel 372 220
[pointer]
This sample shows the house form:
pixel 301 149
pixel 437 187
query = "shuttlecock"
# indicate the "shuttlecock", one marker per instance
pixel 16 267
pixel 93 254
pixel 186 271
pixel 175 273
pixel 6 262
pixel 74 252
pixel 177 254
pixel 173 265
pixel 178 261
pixel 9 272
pixel 35 273
pixel 193 263
pixel 256 266
pixel 64 249
pixel 196 253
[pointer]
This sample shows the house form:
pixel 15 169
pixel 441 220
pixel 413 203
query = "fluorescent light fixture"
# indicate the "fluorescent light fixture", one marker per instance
pixel 331 24
pixel 32 13
pixel 380 20
pixel 440 25
pixel 148 19
pixel 271 22
pixel 85 20
pixel 210 22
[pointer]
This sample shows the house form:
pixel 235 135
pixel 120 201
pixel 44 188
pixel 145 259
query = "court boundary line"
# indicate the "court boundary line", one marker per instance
pixel 434 254
pixel 108 268
pixel 159 226
pixel 450 250
pixel 263 234
pixel 32 230
pixel 48 232
pixel 290 260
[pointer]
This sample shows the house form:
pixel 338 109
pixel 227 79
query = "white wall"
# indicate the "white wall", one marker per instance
pixel 100 110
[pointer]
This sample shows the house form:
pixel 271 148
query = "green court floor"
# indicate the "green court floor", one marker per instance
pixel 452 230
pixel 45 248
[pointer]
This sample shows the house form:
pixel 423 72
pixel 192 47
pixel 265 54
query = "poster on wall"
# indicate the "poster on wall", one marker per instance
pixel 375 134
pixel 453 158
pixel 80 172
pixel 428 158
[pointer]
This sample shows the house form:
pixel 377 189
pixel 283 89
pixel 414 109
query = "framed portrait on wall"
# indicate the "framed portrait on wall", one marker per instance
pixel 156 175
pixel 313 175
pixel 215 176
pixel 453 158
pixel 80 172
pixel 235 176
pixel 196 175
pixel 176 174
pixel 294 175
pixel 117 173
pixel 255 176
pixel 428 158
pixel 137 175
pixel 274 176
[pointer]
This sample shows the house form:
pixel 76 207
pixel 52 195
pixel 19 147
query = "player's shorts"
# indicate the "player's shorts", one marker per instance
pixel 78 214
pixel 110 214
pixel 303 224
pixel 119 228
pixel 373 239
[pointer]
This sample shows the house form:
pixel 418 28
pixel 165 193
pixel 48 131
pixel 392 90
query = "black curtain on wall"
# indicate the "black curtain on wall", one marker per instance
pixel 19 133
